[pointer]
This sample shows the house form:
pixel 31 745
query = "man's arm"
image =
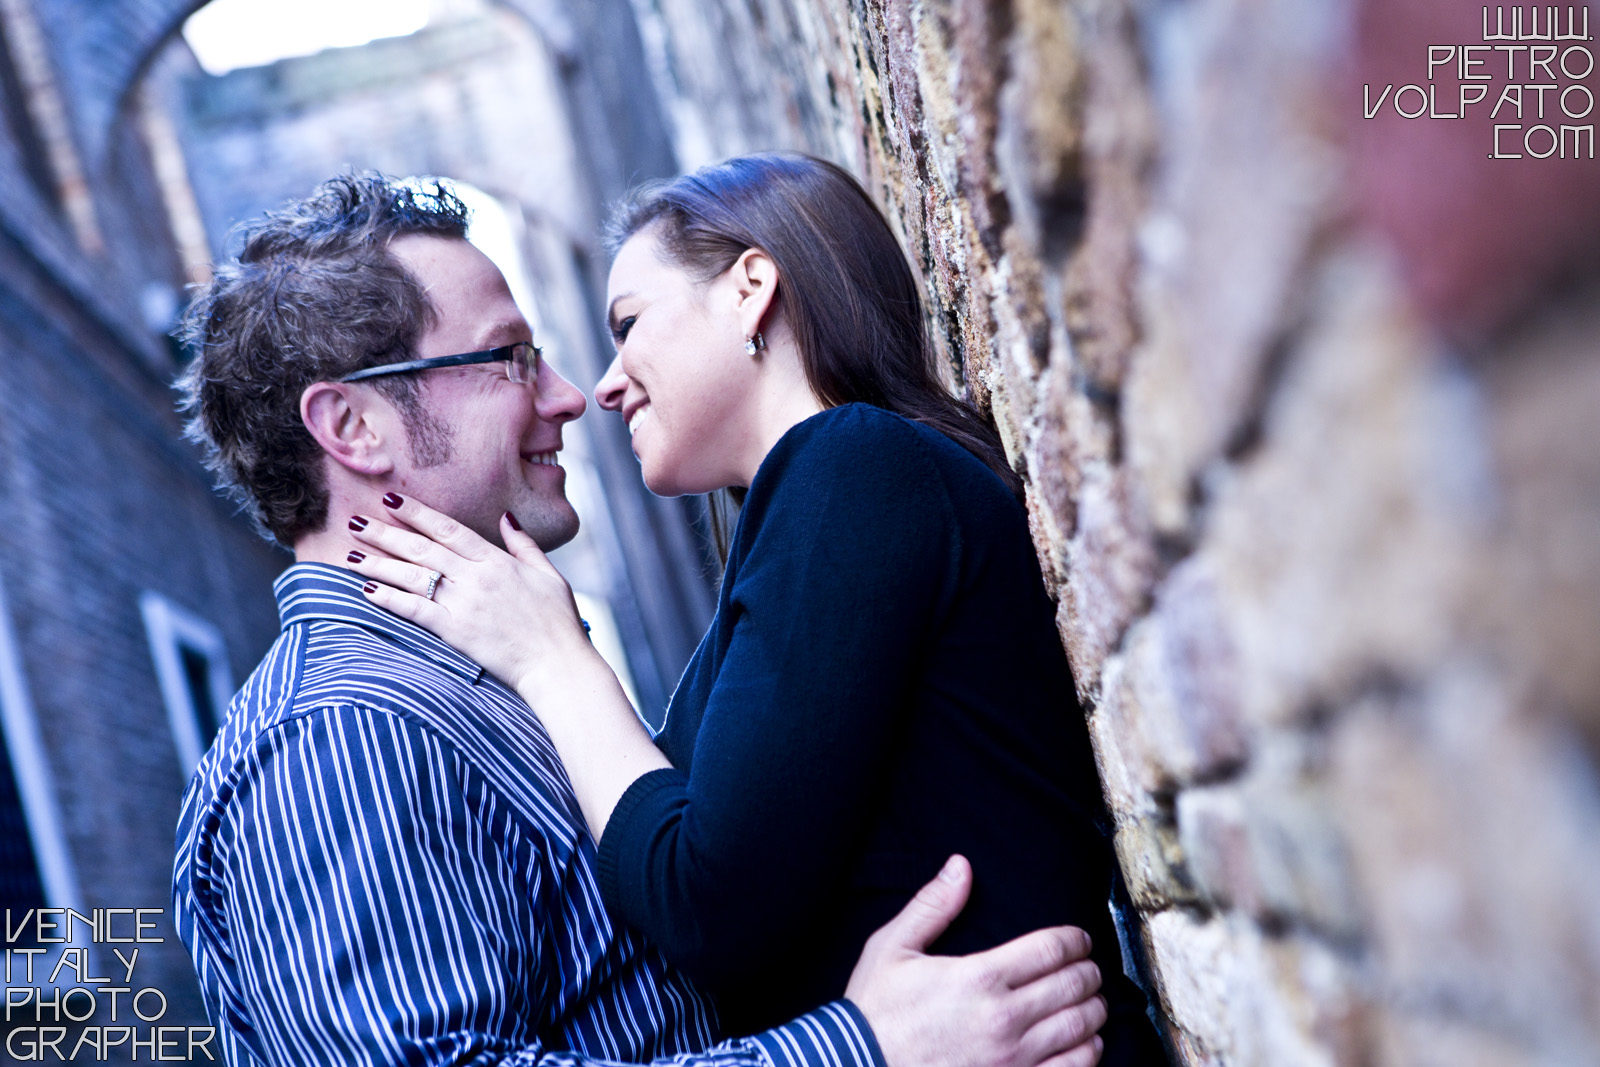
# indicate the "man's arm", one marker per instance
pixel 372 899
pixel 371 909
pixel 1029 1003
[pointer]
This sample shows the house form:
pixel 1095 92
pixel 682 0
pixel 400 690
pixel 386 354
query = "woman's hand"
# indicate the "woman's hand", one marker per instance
pixel 512 611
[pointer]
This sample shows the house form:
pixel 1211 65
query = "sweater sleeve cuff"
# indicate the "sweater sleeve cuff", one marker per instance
pixel 631 826
pixel 835 1034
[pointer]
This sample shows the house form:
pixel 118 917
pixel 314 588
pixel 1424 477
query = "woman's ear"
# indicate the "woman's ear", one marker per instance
pixel 355 427
pixel 755 278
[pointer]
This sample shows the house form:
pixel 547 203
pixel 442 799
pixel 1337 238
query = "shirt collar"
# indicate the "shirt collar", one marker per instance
pixel 316 592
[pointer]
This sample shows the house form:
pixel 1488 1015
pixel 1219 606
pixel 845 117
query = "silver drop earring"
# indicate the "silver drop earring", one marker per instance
pixel 753 345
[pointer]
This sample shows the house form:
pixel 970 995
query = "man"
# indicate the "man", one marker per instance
pixel 380 859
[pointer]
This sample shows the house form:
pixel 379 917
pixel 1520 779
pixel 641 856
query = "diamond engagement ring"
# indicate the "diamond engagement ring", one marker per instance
pixel 434 577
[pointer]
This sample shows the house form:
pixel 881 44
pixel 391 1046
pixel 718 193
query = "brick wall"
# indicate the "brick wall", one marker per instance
pixel 1320 524
pixel 102 503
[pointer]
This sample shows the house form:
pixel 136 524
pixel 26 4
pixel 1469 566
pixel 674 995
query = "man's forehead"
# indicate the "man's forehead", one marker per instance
pixel 429 254
pixel 464 288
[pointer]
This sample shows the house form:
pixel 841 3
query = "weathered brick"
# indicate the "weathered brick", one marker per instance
pixel 1120 747
pixel 1342 543
pixel 1239 998
pixel 1540 601
pixel 1476 909
pixel 1152 863
pixel 1111 567
pixel 1182 682
pixel 1272 850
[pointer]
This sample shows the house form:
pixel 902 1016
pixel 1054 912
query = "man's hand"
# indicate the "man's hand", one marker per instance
pixel 1032 1001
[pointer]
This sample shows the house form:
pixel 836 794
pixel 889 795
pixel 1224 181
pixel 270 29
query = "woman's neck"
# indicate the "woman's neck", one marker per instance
pixel 786 400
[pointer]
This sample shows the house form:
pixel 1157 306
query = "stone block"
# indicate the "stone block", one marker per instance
pixel 1240 83
pixel 1152 863
pixel 1070 436
pixel 1239 998
pixel 1120 748
pixel 1111 566
pixel 1213 828
pixel 1182 683
pixel 1470 829
pixel 1272 850
pixel 1539 596
pixel 1120 145
pixel 1408 1040
pixel 1343 545
pixel 1021 301
pixel 1039 129
pixel 1162 420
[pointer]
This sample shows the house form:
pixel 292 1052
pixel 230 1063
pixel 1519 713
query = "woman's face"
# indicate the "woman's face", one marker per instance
pixel 681 378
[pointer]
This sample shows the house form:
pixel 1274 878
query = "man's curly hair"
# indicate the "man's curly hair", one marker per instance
pixel 313 295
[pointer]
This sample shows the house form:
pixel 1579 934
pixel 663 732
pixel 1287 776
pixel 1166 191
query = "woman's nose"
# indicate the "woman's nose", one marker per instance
pixel 608 392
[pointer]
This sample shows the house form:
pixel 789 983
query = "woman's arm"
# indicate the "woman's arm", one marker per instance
pixel 836 589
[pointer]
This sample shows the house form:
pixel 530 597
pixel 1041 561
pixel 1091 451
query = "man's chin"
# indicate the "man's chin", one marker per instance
pixel 550 529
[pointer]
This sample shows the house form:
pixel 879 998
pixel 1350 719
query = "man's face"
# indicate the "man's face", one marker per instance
pixel 501 438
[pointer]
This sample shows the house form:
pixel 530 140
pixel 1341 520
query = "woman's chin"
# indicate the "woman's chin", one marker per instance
pixel 661 483
pixel 675 483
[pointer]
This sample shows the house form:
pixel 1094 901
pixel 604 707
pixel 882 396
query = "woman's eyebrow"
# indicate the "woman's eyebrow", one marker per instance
pixel 611 309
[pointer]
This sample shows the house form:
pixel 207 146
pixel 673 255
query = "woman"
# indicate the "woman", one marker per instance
pixel 882 684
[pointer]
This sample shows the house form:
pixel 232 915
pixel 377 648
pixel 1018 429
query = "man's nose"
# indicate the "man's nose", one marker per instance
pixel 608 392
pixel 558 399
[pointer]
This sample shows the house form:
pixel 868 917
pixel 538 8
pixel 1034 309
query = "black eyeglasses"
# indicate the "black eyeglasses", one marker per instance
pixel 521 359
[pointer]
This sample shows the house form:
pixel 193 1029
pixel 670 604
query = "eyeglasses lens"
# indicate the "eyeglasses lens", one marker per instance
pixel 524 367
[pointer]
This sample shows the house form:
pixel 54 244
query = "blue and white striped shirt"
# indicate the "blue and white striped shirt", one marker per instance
pixel 381 861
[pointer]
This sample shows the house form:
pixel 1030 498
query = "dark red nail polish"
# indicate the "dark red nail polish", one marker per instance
pixel 356 557
pixel 370 587
pixel 512 519
pixel 392 500
pixel 358 523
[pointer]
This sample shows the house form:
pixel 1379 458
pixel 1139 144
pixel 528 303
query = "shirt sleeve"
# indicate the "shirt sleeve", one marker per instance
pixel 834 1035
pixel 833 603
pixel 377 915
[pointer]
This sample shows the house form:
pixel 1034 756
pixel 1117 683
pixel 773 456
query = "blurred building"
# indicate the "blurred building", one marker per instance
pixel 132 597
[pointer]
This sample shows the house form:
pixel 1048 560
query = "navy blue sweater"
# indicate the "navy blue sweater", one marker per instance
pixel 882 686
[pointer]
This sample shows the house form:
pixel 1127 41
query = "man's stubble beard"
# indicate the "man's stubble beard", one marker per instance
pixel 431 443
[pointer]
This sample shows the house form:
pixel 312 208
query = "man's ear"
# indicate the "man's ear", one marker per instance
pixel 755 278
pixel 355 427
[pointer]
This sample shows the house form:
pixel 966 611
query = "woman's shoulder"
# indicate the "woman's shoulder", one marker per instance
pixel 871 459
pixel 864 437
pixel 849 424
pixel 854 458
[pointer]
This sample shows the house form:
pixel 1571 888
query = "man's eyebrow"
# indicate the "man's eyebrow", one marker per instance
pixel 506 331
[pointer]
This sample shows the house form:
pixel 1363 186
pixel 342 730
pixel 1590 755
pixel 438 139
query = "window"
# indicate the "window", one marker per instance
pixel 34 866
pixel 191 662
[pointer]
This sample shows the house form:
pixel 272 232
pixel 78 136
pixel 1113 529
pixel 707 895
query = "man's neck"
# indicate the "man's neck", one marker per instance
pixel 323 548
pixel 334 542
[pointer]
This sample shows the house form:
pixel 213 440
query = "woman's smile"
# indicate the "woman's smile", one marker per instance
pixel 635 418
